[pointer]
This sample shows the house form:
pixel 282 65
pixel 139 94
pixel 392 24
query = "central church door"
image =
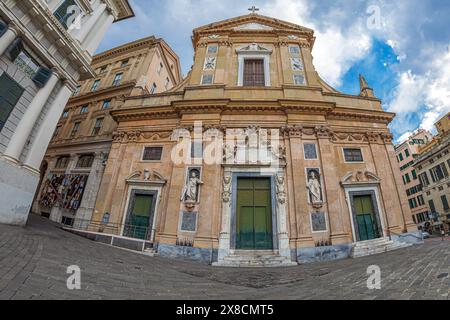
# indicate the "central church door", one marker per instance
pixel 254 214
pixel 365 217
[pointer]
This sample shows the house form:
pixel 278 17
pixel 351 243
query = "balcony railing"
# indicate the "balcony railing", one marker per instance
pixel 121 230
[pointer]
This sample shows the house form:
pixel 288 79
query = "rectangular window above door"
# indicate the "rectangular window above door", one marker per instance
pixel 254 75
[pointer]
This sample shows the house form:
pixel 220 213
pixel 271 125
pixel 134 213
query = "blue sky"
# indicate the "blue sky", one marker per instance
pixel 402 47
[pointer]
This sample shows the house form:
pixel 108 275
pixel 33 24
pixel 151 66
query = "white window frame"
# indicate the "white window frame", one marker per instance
pixel 317 151
pixel 353 162
pixel 262 56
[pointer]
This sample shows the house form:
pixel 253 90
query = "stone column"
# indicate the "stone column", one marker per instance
pixel 47 128
pixel 225 233
pixel 91 189
pixel 98 32
pixel 296 174
pixel 88 25
pixel 283 237
pixel 23 130
pixel 7 39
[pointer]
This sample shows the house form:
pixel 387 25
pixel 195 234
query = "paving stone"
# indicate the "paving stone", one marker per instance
pixel 34 261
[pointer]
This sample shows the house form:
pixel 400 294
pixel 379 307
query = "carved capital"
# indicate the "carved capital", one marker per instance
pixel 323 132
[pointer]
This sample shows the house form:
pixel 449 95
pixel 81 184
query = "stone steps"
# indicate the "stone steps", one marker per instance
pixel 150 252
pixel 377 246
pixel 255 259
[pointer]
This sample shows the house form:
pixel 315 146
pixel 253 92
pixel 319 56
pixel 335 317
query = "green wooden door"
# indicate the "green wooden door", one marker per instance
pixel 365 217
pixel 254 215
pixel 139 221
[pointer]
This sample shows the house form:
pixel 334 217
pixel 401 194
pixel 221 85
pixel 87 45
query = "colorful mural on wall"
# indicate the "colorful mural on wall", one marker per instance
pixel 64 189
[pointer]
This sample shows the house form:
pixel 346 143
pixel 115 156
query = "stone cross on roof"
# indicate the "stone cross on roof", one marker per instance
pixel 253 9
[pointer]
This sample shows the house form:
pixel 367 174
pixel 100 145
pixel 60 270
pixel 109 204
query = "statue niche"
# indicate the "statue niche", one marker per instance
pixel 191 190
pixel 314 186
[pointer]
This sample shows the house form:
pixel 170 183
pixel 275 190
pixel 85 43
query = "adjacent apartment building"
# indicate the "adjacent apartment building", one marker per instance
pixel 45 48
pixel 433 169
pixel 74 162
pixel 406 153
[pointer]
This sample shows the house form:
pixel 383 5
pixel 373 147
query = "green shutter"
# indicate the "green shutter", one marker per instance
pixel 3 28
pixel 14 49
pixel 42 76
pixel 10 93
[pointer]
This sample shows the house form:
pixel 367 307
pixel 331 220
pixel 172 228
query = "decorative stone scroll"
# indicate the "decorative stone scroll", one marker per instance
pixel 360 177
pixel 226 194
pixel 126 136
pixel 281 189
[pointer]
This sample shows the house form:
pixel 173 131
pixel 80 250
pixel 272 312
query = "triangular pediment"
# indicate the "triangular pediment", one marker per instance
pixel 253 22
pixel 252 26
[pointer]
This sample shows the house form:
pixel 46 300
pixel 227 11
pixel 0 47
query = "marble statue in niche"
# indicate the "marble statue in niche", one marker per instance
pixel 191 190
pixel 314 186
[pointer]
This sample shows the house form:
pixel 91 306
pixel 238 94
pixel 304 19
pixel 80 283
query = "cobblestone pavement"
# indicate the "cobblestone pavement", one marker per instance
pixel 34 261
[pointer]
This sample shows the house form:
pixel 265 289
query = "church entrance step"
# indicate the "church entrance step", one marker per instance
pixel 255 259
pixel 377 246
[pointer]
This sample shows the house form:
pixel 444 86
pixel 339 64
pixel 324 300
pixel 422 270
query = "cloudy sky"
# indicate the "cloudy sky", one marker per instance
pixel 402 46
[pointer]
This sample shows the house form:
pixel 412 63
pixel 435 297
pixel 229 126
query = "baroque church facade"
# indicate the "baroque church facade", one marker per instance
pixel 253 155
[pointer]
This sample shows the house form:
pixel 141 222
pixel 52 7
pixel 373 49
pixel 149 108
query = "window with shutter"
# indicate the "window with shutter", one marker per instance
pixel 42 76
pixel 14 49
pixel 3 28
pixel 254 73
pixel 10 93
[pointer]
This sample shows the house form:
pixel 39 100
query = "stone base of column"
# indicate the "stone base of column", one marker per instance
pixel 17 190
pixel 305 242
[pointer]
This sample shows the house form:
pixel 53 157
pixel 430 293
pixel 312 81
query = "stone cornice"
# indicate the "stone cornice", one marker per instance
pixel 328 109
pixel 113 92
pixel 361 115
pixel 129 47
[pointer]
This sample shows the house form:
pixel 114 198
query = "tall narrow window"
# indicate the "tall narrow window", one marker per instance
pixel 77 91
pixel 445 203
pixel 97 126
pixel 153 88
pixel 95 85
pixel 117 79
pixel 106 104
pixel 85 161
pixel 10 93
pixel 75 129
pixel 57 131
pixel 84 109
pixel 254 73
pixel 62 162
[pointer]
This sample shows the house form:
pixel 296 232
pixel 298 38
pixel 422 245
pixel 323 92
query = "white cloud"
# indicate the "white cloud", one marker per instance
pixel 335 50
pixel 428 95
pixel 409 94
